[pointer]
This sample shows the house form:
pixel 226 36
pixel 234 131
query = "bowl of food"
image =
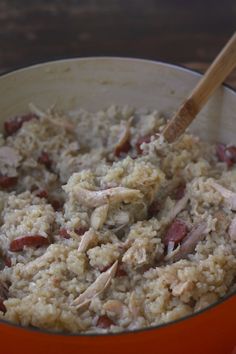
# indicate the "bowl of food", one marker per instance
pixel 111 239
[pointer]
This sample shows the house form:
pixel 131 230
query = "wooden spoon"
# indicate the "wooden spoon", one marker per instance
pixel 221 67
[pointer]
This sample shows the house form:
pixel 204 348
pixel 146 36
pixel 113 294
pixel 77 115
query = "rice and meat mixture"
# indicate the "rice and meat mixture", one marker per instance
pixel 105 227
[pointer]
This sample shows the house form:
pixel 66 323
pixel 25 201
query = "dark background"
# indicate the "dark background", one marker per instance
pixel 188 32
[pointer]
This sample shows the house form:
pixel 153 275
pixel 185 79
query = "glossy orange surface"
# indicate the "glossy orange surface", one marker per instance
pixel 211 332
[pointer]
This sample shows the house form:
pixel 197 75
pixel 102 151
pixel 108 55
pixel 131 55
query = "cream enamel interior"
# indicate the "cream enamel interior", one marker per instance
pixel 94 83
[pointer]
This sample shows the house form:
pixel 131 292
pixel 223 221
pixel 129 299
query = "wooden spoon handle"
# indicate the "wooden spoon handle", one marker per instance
pixel 224 63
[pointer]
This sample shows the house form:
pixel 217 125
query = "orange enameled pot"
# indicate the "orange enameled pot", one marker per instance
pixel 93 83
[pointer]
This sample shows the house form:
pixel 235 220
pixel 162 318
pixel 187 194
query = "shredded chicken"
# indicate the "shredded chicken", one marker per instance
pixel 88 239
pixel 34 266
pixel 93 199
pixel 228 195
pixel 171 251
pixel 36 110
pixel 96 288
pixel 9 156
pixel 197 234
pixel 179 206
pixel 61 123
pixel 99 216
pixel 170 247
pixel 232 229
pixel 136 255
pixel 134 305
pixel 124 138
pixel 83 306
pixel 120 219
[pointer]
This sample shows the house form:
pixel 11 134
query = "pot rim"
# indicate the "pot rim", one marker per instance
pixel 125 332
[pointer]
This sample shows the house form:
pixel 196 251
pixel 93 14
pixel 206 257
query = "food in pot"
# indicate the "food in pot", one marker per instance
pixel 105 227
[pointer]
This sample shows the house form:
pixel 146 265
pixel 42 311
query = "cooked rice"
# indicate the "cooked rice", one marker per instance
pixel 106 213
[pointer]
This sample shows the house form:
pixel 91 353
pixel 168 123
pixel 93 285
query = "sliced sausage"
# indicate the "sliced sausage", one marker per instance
pixel 176 232
pixel 226 154
pixel 18 244
pixel 7 182
pixel 154 208
pixel 2 306
pixel 42 193
pixel 64 233
pixel 104 322
pixel 120 272
pixel 56 204
pixel 45 160
pixel 80 230
pixel 142 139
pixel 179 191
pixel 12 125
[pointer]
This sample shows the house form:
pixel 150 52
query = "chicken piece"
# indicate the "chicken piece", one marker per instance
pixel 100 285
pixel 99 216
pixel 228 195
pixel 62 123
pixel 135 305
pixel 93 199
pixel 37 111
pixel 89 238
pixel 179 206
pixel 53 253
pixel 123 145
pixel 136 255
pixel 141 252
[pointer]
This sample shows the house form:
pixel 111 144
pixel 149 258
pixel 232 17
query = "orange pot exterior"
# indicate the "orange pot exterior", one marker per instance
pixel 91 84
pixel 211 332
